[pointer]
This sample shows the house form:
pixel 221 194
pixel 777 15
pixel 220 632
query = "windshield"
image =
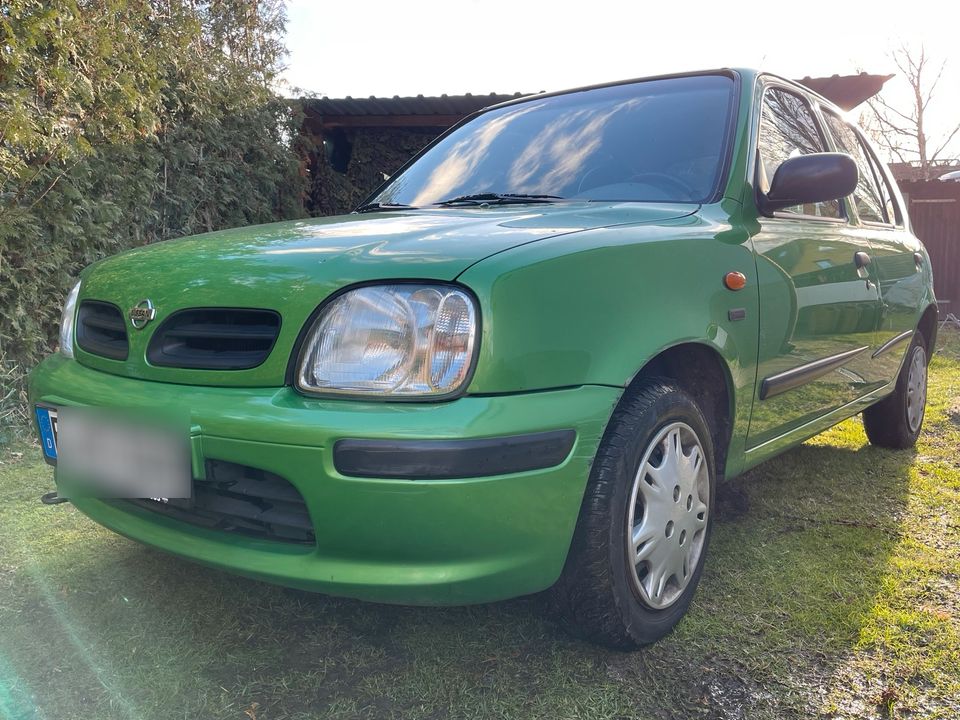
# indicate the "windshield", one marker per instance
pixel 657 140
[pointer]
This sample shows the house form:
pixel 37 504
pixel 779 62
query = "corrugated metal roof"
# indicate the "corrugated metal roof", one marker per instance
pixel 846 91
pixel 419 105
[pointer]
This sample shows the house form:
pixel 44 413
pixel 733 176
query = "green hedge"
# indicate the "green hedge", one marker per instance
pixel 124 123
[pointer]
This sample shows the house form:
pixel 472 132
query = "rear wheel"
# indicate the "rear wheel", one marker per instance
pixel 895 421
pixel 645 522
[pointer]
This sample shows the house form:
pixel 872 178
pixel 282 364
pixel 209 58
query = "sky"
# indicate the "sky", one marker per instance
pixel 430 47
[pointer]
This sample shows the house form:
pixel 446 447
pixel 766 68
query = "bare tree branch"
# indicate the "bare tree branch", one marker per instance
pixel 946 142
pixel 890 109
pixel 884 119
pixel 934 85
pixel 903 129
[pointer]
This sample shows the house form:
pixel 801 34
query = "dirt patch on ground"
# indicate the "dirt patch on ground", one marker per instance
pixel 953 412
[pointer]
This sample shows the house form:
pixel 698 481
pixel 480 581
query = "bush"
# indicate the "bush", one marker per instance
pixel 124 123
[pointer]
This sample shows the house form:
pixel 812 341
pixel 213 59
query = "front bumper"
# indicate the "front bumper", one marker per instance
pixel 438 541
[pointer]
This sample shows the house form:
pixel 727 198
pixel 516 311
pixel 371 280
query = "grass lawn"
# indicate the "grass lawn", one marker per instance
pixel 831 591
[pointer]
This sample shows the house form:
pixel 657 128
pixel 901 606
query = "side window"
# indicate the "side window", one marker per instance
pixel 894 217
pixel 867 197
pixel 788 129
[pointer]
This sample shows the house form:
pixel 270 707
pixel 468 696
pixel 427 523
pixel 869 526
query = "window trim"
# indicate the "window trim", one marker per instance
pixel 771 82
pixel 781 215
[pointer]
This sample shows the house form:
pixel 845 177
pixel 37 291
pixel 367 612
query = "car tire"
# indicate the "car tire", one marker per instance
pixel 611 593
pixel 895 422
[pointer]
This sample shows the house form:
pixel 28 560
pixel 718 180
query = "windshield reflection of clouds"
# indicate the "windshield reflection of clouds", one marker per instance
pixel 465 156
pixel 560 151
pixel 657 140
pixel 551 157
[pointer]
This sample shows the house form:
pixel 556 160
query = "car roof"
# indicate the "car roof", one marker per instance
pixel 745 74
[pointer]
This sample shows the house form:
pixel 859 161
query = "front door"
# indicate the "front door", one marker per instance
pixel 819 297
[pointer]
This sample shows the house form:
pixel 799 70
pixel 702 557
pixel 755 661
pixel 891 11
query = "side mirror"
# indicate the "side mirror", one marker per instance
pixel 814 178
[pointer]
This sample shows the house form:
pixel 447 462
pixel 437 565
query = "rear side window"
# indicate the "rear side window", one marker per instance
pixel 890 206
pixel 873 203
pixel 788 129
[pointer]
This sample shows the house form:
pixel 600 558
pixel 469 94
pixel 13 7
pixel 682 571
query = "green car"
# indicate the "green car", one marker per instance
pixel 525 363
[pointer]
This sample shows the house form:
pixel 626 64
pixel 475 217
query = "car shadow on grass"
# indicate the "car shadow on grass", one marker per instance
pixel 800 550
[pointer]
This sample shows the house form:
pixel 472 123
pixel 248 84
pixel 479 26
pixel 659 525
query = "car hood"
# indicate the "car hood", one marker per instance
pixel 291 267
pixel 430 243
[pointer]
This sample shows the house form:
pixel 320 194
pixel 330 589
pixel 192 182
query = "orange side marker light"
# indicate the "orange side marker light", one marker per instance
pixel 735 280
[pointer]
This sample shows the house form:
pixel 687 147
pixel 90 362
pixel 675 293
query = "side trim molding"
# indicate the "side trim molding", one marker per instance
pixel 801 375
pixel 892 343
pixel 452 459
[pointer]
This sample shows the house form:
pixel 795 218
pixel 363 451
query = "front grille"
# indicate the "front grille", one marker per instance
pixel 244 500
pixel 101 330
pixel 215 339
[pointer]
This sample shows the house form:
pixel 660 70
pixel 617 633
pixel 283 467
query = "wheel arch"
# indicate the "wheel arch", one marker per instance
pixel 927 327
pixel 701 370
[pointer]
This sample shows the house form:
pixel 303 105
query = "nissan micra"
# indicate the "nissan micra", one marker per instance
pixel 526 362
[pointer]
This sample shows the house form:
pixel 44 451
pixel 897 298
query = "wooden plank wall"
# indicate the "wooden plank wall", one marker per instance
pixel 935 217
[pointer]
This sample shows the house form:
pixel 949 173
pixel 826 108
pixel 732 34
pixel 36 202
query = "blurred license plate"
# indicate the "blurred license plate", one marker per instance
pixel 113 455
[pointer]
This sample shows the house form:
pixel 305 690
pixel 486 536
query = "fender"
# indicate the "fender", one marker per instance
pixel 595 308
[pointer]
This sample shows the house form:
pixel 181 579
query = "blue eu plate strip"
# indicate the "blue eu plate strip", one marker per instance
pixel 47 438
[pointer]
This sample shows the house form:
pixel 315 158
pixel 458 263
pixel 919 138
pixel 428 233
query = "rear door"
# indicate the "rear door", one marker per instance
pixel 895 253
pixel 819 311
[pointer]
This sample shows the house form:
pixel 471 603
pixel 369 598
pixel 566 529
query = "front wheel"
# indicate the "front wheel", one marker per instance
pixel 644 525
pixel 895 421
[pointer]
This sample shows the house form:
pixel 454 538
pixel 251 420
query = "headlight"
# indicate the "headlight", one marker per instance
pixel 67 319
pixel 403 340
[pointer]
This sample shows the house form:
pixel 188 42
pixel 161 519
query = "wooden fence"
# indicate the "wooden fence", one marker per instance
pixel 935 217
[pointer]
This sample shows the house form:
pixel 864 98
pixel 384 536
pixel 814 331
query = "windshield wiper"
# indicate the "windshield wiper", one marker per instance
pixel 499 199
pixel 375 206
